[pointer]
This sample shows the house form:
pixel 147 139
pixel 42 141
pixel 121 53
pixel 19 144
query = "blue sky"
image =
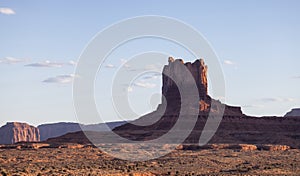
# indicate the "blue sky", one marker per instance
pixel 40 41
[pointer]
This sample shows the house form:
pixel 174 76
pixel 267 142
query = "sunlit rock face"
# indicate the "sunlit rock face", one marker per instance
pixel 14 132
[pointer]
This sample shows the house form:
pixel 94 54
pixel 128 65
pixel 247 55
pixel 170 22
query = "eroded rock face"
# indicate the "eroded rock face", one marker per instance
pixel 198 70
pixel 14 132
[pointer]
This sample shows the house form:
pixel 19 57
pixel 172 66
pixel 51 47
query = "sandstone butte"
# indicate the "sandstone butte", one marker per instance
pixel 235 126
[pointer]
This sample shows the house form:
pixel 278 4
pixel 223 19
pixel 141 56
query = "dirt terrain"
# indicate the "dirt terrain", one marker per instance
pixel 75 159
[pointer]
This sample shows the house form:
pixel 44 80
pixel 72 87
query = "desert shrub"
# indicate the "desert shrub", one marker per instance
pixel 3 173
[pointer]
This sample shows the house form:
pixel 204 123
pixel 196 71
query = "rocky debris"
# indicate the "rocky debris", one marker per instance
pixel 293 113
pixel 130 147
pixel 25 145
pixel 14 132
pixel 273 147
pixel 239 147
pixel 29 145
pixel 70 146
pixel 92 161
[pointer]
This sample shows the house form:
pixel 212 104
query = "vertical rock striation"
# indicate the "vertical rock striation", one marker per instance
pixel 198 70
pixel 14 132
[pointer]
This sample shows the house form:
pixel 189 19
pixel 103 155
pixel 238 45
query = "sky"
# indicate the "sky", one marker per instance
pixel 257 43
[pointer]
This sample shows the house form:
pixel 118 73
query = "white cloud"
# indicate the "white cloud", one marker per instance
pixel 229 62
pixel 7 11
pixel 253 106
pixel 154 67
pixel 45 64
pixel 124 63
pixel 61 79
pixel 12 60
pixel 129 89
pixel 71 62
pixel 48 63
pixel 110 66
pixel 144 85
pixel 152 76
pixel 270 99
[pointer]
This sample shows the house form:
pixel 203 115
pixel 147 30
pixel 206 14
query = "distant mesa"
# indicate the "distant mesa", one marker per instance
pixel 293 113
pixel 58 129
pixel 14 132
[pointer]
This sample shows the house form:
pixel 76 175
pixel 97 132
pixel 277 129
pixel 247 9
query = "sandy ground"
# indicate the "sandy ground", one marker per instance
pixel 92 161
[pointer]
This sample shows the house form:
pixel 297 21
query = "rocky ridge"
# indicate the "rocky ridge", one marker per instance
pixel 293 113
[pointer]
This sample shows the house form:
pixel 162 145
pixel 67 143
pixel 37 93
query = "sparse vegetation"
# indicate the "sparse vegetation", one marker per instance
pixel 91 161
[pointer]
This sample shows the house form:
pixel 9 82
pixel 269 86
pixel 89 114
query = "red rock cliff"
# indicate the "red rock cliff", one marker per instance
pixel 14 132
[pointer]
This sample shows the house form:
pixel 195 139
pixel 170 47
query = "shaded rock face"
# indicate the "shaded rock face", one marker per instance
pixel 58 129
pixel 293 113
pixel 14 132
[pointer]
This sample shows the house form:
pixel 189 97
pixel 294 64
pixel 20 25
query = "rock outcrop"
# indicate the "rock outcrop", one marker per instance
pixel 235 127
pixel 171 105
pixel 14 132
pixel 293 113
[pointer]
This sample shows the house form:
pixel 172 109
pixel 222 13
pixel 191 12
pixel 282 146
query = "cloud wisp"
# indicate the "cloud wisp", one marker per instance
pixel 144 84
pixel 252 106
pixel 110 66
pixel 229 62
pixel 7 11
pixel 60 79
pixel 152 76
pixel 272 99
pixel 12 60
pixel 49 64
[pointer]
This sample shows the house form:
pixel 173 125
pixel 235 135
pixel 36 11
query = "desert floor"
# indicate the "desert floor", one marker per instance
pixel 92 161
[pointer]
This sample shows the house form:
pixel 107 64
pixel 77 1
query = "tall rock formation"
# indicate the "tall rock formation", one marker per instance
pixel 14 132
pixel 170 91
pixel 171 105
